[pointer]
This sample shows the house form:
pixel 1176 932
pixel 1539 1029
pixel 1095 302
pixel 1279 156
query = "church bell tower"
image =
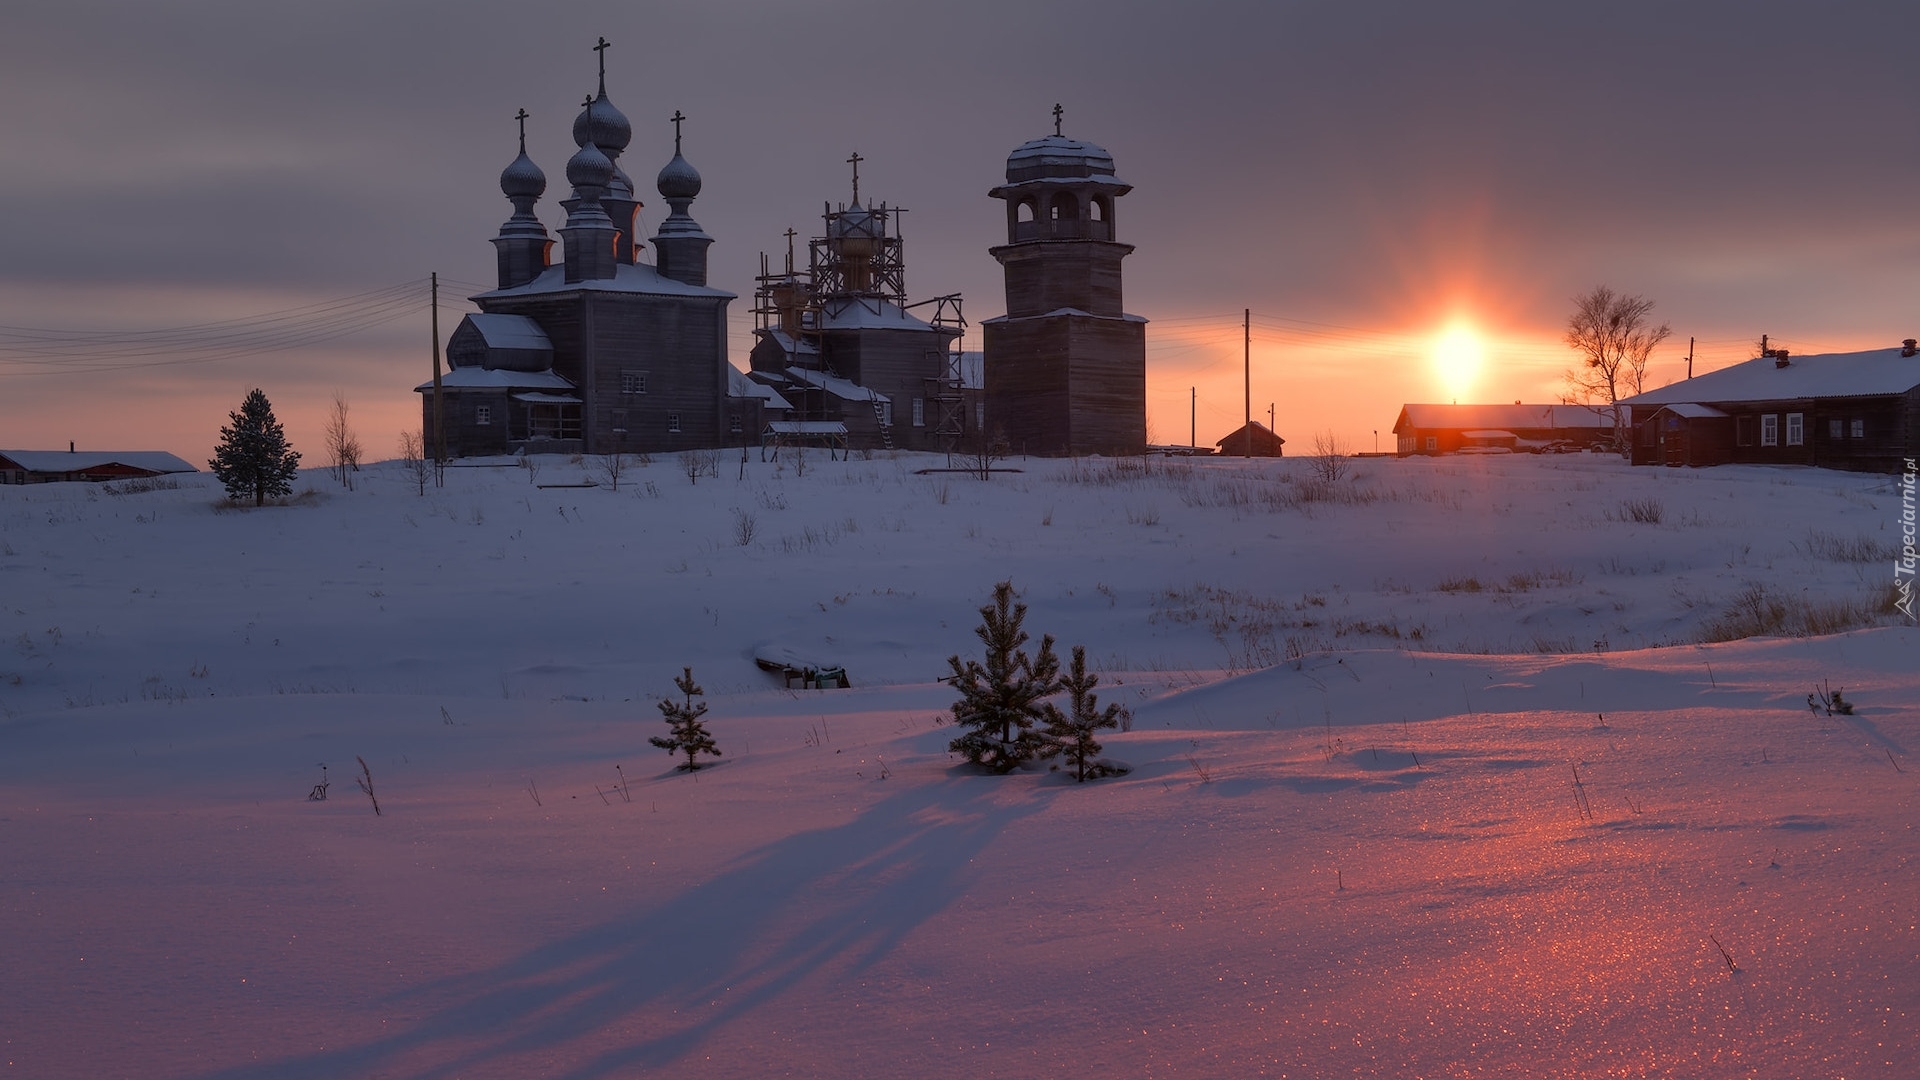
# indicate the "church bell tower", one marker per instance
pixel 1065 368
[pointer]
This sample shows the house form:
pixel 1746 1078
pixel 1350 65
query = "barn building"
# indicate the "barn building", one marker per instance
pixel 1066 366
pixel 599 352
pixel 839 343
pixel 1253 440
pixel 1448 429
pixel 55 466
pixel 1856 410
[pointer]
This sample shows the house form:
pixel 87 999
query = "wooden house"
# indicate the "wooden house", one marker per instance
pixel 55 466
pixel 1449 429
pixel 1253 440
pixel 1856 410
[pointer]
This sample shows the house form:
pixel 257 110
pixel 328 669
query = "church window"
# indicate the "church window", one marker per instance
pixel 979 416
pixel 1770 430
pixel 1859 429
pixel 1833 429
pixel 483 415
pixel 1796 429
pixel 673 422
pixel 1025 210
pixel 1064 208
pixel 620 420
pixel 919 412
pixel 633 382
pixel 734 425
pixel 886 414
pixel 1098 209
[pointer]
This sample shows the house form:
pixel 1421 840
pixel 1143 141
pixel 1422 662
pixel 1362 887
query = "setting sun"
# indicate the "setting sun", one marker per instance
pixel 1457 356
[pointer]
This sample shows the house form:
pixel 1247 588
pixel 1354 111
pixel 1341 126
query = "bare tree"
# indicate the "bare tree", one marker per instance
pixel 1330 458
pixel 612 466
pixel 342 445
pixel 413 458
pixel 1614 337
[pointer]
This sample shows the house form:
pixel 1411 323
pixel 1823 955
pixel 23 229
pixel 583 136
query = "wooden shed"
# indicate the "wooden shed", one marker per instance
pixel 1253 440
pixel 1684 434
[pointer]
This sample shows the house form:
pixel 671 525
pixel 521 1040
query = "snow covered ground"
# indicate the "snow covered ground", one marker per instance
pixel 1352 843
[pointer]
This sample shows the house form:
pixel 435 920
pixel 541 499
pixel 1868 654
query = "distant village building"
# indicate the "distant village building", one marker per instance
pixel 1065 367
pixel 1253 440
pixel 1842 410
pixel 1449 429
pixel 599 352
pixel 53 466
pixel 840 345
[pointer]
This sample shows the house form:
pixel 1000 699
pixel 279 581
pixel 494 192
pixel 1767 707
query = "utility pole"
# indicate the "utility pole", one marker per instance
pixel 1689 358
pixel 1246 330
pixel 1193 417
pixel 439 400
pixel 1270 420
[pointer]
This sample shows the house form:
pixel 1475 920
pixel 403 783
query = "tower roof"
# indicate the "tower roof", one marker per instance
pixel 1057 157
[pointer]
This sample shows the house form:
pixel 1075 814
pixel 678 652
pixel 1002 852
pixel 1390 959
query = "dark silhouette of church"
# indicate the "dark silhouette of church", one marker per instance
pixel 601 352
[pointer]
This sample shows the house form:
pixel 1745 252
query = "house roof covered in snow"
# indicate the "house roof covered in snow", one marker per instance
pixel 474 378
pixel 833 384
pixel 1057 312
pixel 807 427
pixel 740 386
pixel 870 314
pixel 1694 412
pixel 1855 374
pixel 1476 417
pixel 510 331
pixel 64 461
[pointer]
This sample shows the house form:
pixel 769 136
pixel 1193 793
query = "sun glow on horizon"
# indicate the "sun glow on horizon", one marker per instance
pixel 1458 355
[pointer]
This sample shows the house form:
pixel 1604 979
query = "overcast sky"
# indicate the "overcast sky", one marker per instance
pixel 1383 169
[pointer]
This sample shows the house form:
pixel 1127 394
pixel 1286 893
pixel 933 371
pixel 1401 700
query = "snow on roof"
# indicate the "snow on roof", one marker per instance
pixel 1578 417
pixel 62 461
pixel 807 427
pixel 1068 311
pixel 838 387
pixel 740 386
pixel 628 278
pixel 548 399
pixel 869 314
pixel 510 332
pixel 1693 412
pixel 1856 374
pixel 787 341
pixel 1489 433
pixel 473 378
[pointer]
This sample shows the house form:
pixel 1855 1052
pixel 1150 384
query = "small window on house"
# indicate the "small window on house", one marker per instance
pixel 1796 429
pixel 483 415
pixel 733 424
pixel 620 420
pixel 1770 430
pixel 886 414
pixel 919 412
pixel 1833 429
pixel 673 422
pixel 1743 431
pixel 1433 442
pixel 1859 429
pixel 633 382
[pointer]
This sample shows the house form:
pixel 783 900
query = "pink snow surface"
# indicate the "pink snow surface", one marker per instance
pixel 1345 848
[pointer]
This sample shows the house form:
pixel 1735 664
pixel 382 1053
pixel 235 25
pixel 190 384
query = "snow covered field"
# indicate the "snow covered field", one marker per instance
pixel 1351 844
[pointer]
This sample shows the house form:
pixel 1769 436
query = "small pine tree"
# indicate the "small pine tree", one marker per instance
pixel 253 457
pixel 1071 733
pixel 1000 699
pixel 689 736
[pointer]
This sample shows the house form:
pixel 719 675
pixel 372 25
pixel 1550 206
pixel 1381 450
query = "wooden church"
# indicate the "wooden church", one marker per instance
pixel 600 351
pixel 1066 366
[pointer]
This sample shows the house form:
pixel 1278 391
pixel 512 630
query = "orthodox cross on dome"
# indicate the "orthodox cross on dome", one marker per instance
pixel 601 48
pixel 676 118
pixel 790 235
pixel 855 161
pixel 1057 110
pixel 522 117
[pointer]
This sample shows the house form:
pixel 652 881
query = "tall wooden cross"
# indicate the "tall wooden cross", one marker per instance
pixel 676 118
pixel 1057 110
pixel 855 161
pixel 601 48
pixel 790 235
pixel 522 117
